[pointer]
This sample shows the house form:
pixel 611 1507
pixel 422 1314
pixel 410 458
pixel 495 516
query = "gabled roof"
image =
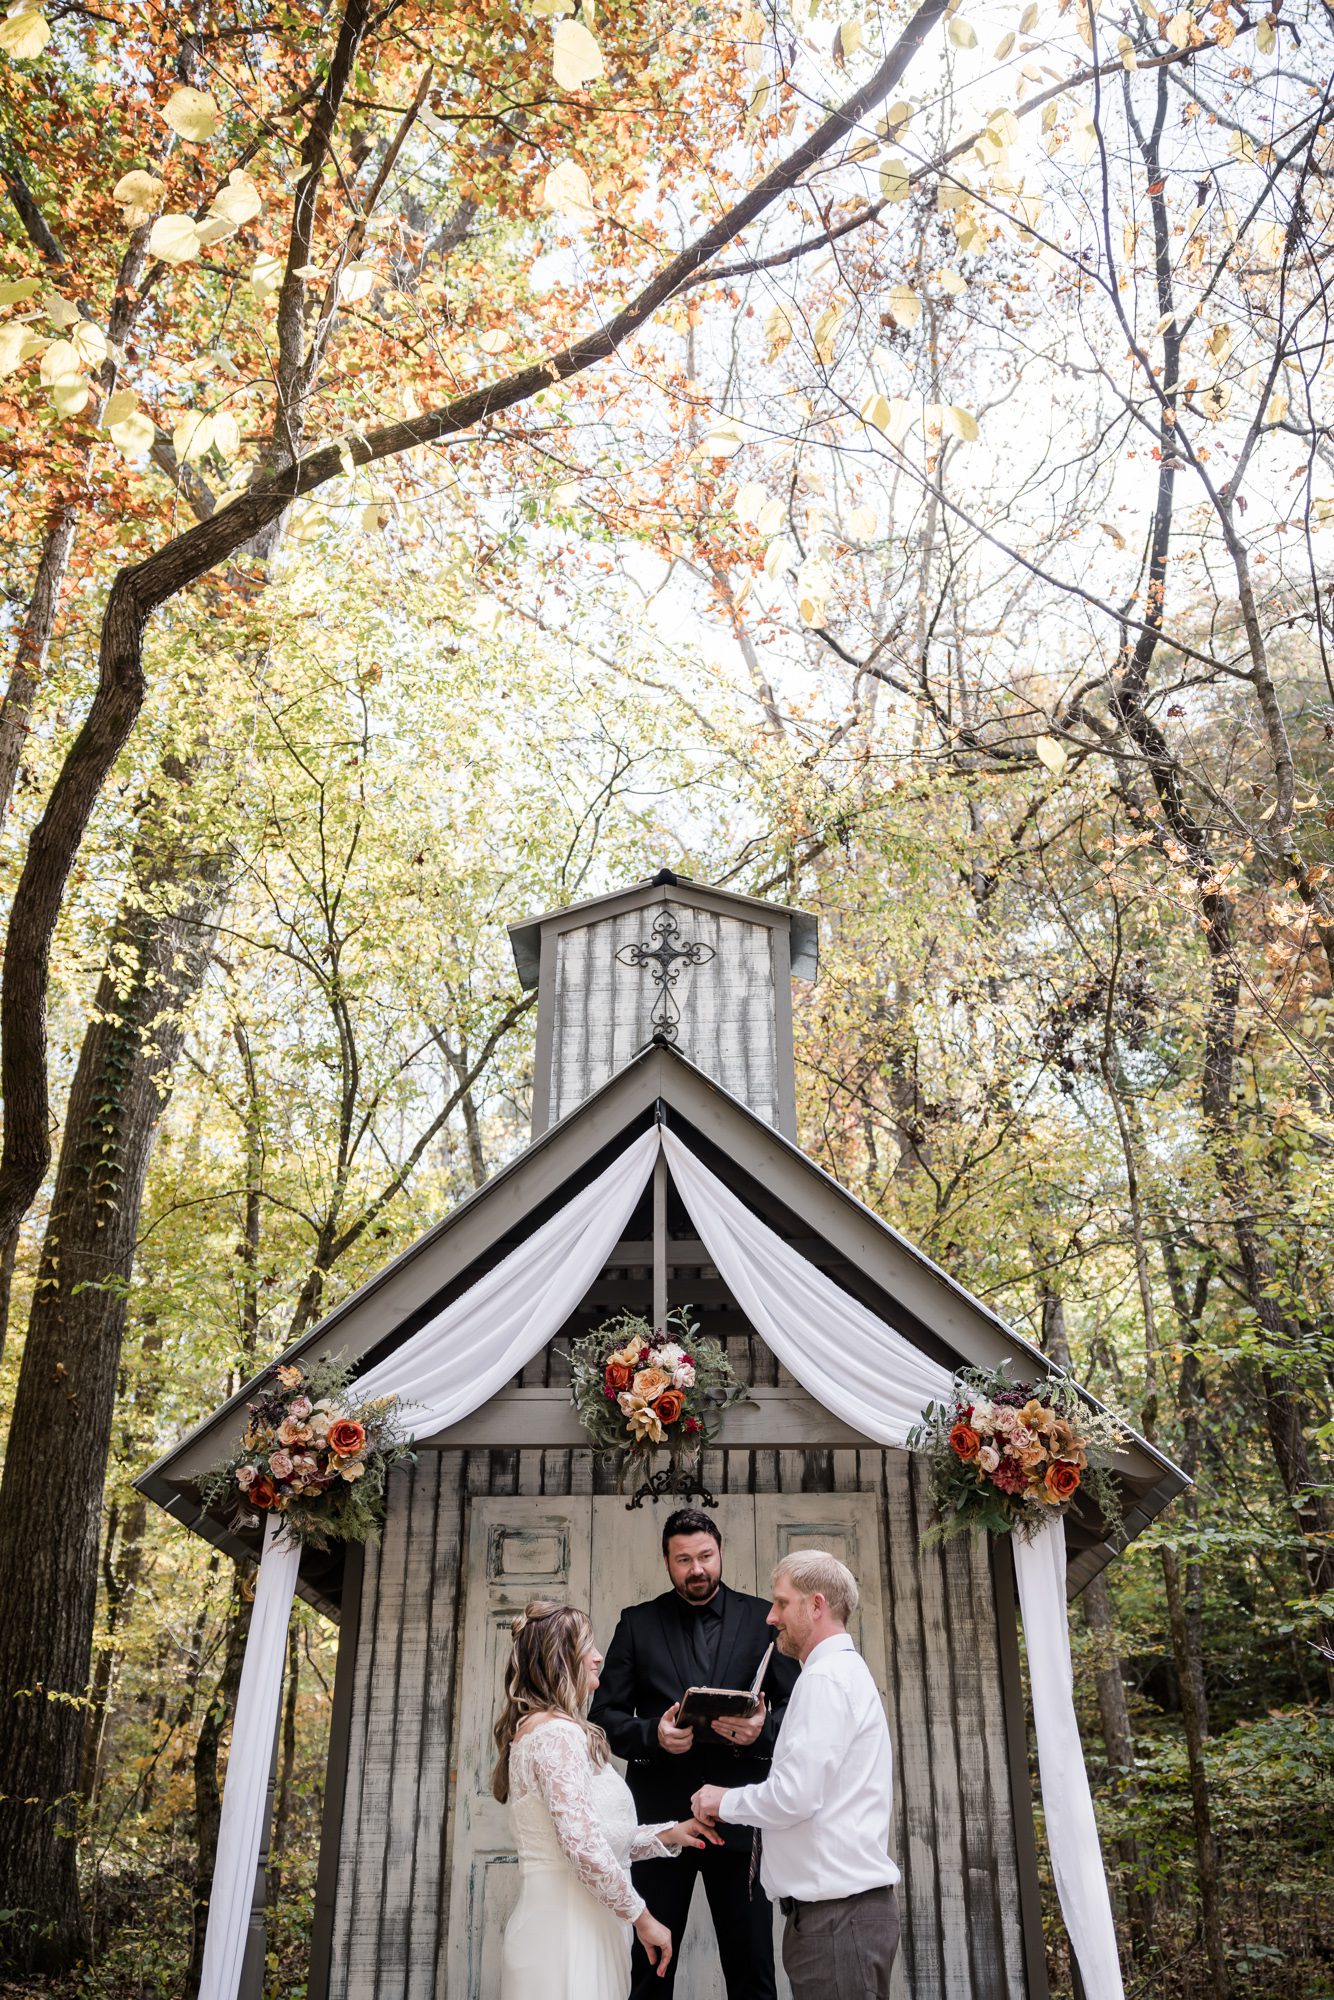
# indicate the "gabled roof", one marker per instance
pixel 803 929
pixel 862 1252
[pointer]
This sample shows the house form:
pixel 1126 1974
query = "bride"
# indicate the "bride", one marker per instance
pixel 574 1824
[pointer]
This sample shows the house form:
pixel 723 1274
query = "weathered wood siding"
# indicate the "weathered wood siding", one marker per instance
pixel 954 1821
pixel 603 1009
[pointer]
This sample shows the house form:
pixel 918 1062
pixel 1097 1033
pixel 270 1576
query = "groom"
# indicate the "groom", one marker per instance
pixel 699 1633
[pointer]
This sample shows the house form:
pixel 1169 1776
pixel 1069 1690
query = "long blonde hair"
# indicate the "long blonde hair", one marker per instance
pixel 545 1675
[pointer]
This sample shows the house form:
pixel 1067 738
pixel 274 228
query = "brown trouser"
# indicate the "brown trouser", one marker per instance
pixel 845 1947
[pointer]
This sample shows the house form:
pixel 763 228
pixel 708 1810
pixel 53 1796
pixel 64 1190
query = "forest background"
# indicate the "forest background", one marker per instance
pixel 454 461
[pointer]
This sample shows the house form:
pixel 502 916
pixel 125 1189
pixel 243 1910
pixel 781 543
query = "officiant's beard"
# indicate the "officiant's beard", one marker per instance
pixel 698 1589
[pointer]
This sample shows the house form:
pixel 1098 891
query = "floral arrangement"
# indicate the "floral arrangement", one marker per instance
pixel 1009 1456
pixel 636 1388
pixel 314 1454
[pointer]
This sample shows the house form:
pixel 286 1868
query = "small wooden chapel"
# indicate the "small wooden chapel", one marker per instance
pixel 667 1002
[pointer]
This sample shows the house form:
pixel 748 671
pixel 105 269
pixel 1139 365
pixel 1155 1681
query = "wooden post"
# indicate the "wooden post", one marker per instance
pixel 659 1242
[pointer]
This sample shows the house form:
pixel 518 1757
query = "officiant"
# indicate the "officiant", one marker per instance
pixel 698 1633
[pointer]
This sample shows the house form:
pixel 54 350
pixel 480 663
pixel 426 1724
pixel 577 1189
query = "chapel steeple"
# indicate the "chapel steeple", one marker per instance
pixel 705 969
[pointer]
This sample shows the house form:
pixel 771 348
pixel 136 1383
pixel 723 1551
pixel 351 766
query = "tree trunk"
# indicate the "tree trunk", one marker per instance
pixel 34 639
pixel 208 1789
pixel 64 1403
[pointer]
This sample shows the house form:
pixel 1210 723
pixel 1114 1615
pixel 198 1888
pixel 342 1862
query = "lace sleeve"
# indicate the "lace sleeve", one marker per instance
pixel 646 1845
pixel 558 1762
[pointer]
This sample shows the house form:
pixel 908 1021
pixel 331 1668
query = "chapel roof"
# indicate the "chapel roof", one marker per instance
pixel 861 1251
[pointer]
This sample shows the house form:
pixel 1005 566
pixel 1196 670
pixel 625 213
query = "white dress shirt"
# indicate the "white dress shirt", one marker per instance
pixel 824 1808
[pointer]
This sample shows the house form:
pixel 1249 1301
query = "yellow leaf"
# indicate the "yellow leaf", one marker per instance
pixel 777 331
pixel 905 305
pixel 896 120
pixel 771 517
pixel 71 395
pixel 16 290
pixel 266 278
pixel 17 344
pixel 1278 408
pixel 962 33
pixel 192 114
pixel 576 57
pixel 1265 37
pixel 356 282
pixel 192 436
pixel 134 435
pixel 376 516
pixel 1051 752
pixel 566 191
pixel 779 555
pixel 895 182
pixel 952 282
pixel 1164 323
pixel 226 434
pixel 1125 48
pixel 89 343
pixel 139 195
pixel 749 500
pixel 862 523
pixel 117 408
pixel 240 201
pixel 494 341
pixel 174 239
pixel 849 36
pixel 721 440
pixel 25 34
pixel 824 332
pixel 962 422
pixel 1003 47
pixel 1177 31
pixel 1028 20
pixel 61 362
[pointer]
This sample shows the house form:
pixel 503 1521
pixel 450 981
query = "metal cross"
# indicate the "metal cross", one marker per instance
pixel 664 958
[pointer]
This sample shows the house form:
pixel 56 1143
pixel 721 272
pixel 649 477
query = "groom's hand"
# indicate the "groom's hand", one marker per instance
pixel 675 1741
pixel 706 1802
pixel 741 1730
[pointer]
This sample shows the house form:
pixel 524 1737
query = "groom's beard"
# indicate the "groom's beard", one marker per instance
pixel 697 1589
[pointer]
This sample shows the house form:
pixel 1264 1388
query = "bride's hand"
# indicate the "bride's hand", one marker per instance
pixel 656 1940
pixel 691 1833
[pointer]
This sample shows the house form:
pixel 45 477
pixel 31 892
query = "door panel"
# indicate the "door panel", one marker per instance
pixel 517 1550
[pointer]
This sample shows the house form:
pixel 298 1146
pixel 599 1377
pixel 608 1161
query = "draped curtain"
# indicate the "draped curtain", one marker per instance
pixel 849 1360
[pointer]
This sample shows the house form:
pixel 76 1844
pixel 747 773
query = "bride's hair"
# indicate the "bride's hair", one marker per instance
pixel 545 1676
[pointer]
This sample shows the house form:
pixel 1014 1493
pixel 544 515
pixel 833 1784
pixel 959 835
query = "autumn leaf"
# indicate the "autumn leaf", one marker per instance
pixel 18 343
pixel 1052 754
pixel 266 278
pixel 25 34
pixel 748 502
pixel 962 33
pixel 863 523
pixel 961 422
pixel 777 331
pixel 895 181
pixel 566 191
pixel 576 57
pixel 16 290
pixel 174 239
pixel 722 438
pixel 192 114
pixel 133 435
pixel 140 196
pixel 240 201
pixel 824 332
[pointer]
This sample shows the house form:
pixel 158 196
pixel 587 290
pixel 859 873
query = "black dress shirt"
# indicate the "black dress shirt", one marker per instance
pixel 703 1624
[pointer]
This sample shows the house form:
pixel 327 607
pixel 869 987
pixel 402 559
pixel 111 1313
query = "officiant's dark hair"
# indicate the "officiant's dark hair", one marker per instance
pixel 689 1521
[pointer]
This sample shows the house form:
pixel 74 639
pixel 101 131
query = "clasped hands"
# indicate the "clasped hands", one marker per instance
pixel 739 1730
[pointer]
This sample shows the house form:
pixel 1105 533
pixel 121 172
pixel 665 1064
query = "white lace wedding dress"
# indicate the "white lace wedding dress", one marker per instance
pixel 574 1827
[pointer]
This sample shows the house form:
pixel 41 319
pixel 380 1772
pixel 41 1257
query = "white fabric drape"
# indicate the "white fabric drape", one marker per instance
pixel 241 1824
pixel 842 1354
pixel 449 1367
pixel 866 1373
pixel 845 1357
pixel 1072 1831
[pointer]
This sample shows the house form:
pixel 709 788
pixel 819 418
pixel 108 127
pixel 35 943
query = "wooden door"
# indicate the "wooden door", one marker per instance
pixel 517 1550
pixel 594 1552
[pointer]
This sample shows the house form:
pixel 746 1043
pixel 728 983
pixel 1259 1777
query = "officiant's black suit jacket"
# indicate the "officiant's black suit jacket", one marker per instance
pixel 648 1667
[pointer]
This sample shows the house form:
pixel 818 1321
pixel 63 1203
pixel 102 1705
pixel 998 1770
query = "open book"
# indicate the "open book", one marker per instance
pixel 700 1706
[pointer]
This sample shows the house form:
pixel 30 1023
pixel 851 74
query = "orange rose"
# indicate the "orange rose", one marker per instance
pixel 650 1383
pixel 965 1441
pixel 669 1406
pixel 262 1492
pixel 1062 1479
pixel 619 1375
pixel 345 1437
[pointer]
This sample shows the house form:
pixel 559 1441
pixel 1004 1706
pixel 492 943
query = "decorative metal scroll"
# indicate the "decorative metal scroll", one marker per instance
pixel 672 1483
pixel 664 958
